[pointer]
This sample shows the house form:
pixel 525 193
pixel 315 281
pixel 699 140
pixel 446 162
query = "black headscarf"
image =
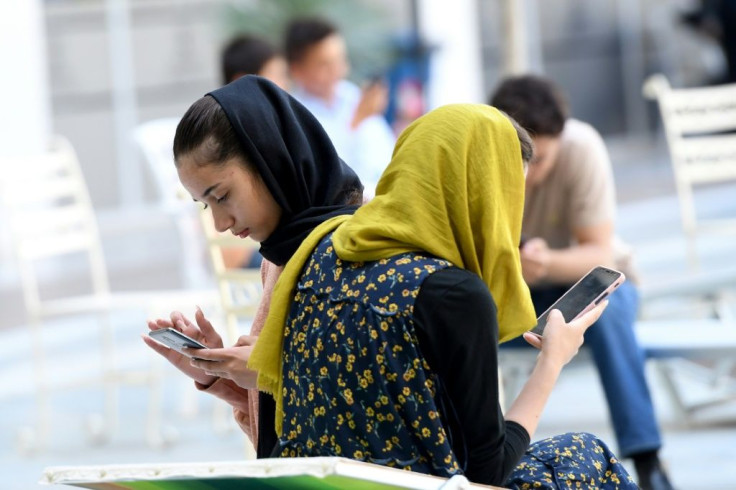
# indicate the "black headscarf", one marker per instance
pixel 294 156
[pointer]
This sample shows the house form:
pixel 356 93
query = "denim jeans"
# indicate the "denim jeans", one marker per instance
pixel 620 364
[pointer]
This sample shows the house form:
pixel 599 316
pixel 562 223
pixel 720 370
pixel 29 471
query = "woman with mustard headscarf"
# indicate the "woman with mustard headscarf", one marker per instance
pixel 381 340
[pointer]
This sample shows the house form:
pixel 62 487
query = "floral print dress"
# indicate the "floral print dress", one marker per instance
pixel 356 384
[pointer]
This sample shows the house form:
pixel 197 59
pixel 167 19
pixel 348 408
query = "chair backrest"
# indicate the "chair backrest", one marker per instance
pixel 700 127
pixel 51 215
pixel 155 139
pixel 240 288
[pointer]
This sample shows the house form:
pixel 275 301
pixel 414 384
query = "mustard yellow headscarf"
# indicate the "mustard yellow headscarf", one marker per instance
pixel 454 189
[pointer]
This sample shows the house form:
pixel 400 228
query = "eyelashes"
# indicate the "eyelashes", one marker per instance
pixel 219 200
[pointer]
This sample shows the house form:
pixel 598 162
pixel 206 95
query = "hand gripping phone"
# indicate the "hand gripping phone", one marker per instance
pixel 583 296
pixel 174 339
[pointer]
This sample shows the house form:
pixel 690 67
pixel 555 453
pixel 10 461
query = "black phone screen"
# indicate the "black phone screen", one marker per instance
pixel 589 289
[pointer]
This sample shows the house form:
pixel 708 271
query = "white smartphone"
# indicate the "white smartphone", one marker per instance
pixel 174 339
pixel 583 296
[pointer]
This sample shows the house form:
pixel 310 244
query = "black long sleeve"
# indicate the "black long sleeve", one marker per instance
pixel 457 329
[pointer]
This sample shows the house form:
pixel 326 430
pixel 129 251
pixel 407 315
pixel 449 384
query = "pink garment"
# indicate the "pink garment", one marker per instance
pixel 245 402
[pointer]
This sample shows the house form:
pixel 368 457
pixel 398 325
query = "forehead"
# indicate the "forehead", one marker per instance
pixel 543 144
pixel 197 178
pixel 331 46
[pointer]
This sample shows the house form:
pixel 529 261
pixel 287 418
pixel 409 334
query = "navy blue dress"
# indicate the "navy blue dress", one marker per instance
pixel 357 384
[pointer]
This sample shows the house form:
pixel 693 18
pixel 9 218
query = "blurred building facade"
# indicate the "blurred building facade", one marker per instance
pixel 112 64
pixel 598 51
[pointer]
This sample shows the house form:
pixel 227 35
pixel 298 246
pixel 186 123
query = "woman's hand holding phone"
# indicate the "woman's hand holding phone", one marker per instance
pixel 562 340
pixel 202 332
pixel 229 362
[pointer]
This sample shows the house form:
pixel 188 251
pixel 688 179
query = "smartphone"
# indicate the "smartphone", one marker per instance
pixel 583 296
pixel 375 78
pixel 174 339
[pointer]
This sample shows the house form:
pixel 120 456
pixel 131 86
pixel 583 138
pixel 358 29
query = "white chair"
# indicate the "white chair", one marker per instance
pixel 155 139
pixel 50 219
pixel 240 288
pixel 700 127
pixel 240 294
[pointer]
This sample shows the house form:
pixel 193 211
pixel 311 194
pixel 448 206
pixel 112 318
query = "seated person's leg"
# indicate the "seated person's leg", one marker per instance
pixel 620 365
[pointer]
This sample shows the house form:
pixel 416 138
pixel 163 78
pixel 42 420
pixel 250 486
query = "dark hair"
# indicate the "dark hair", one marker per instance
pixel 245 55
pixel 527 145
pixel 303 33
pixel 206 134
pixel 534 102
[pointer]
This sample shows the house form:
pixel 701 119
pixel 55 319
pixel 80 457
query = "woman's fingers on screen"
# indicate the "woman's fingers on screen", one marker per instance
pixel 212 337
pixel 163 323
pixel 533 339
pixel 555 316
pixel 177 316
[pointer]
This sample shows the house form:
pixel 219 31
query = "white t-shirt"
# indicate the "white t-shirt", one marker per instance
pixel 368 148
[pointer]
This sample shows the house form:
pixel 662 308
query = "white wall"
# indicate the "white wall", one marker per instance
pixel 456 67
pixel 26 116
pixel 25 113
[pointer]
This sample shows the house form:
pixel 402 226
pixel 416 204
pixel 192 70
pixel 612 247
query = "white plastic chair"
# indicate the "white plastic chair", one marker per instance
pixel 240 288
pixel 50 218
pixel 700 127
pixel 155 139
pixel 240 294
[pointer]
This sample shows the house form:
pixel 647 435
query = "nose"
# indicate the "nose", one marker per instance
pixel 223 221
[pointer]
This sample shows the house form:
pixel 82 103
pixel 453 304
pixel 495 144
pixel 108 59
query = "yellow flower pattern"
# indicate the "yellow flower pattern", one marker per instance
pixel 355 380
pixel 570 461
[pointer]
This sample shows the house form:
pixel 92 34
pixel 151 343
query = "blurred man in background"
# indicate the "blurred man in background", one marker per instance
pixel 250 55
pixel 353 118
pixel 568 226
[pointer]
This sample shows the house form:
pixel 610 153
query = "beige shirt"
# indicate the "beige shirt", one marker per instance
pixel 578 192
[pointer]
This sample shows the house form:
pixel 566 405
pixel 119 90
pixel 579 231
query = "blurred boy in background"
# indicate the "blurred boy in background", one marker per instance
pixel 251 55
pixel 353 118
pixel 569 215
